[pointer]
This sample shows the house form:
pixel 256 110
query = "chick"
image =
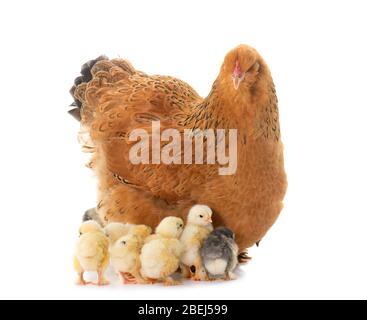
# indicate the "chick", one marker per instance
pixel 91 253
pixel 198 227
pixel 166 229
pixel 160 255
pixel 116 230
pixel 219 254
pixel 141 231
pixel 125 258
pixel 92 214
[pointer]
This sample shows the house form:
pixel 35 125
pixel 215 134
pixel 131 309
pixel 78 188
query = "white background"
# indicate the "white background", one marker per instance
pixel 317 53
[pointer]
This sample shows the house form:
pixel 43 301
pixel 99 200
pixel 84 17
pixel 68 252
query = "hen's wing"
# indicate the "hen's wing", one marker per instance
pixel 114 99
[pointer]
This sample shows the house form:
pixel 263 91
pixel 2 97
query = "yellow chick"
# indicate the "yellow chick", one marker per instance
pixel 160 255
pixel 198 227
pixel 125 253
pixel 91 253
pixel 137 233
pixel 166 229
pixel 116 230
pixel 141 231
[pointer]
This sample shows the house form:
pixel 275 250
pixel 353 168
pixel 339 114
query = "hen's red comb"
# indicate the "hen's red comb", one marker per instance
pixel 237 69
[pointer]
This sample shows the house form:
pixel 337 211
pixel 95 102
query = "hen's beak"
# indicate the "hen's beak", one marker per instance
pixel 237 79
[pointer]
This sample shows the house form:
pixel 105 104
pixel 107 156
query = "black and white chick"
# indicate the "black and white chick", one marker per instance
pixel 219 254
pixel 92 214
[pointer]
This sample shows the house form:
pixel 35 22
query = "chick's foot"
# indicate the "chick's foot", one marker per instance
pixel 102 281
pixel 150 281
pixel 230 276
pixel 171 282
pixel 127 278
pixel 185 271
pixel 81 281
pixel 198 272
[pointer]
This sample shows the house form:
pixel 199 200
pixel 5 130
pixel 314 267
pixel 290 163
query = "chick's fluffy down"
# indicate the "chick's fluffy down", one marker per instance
pixel 116 230
pixel 216 266
pixel 191 240
pixel 125 253
pixel 160 258
pixel 91 250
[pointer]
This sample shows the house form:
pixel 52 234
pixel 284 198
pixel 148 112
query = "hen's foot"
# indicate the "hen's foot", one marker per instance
pixel 244 258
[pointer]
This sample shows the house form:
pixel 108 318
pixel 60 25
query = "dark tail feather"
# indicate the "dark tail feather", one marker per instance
pixel 86 76
pixel 75 113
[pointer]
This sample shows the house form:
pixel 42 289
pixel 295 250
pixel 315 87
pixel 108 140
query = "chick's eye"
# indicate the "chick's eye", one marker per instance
pixel 80 234
pixel 123 242
pixel 201 216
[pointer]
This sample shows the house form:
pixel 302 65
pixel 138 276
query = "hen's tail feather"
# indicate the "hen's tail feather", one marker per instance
pixel 98 73
pixel 86 76
pixel 75 113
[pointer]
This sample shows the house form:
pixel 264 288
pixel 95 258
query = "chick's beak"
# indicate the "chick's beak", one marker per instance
pixel 209 220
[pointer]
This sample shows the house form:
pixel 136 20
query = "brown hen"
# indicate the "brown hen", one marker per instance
pixel 112 99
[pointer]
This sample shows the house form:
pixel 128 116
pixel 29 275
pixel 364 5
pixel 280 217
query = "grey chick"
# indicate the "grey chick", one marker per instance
pixel 219 254
pixel 91 214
